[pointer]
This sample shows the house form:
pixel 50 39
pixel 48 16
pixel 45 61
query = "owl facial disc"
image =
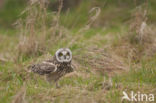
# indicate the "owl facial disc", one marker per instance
pixel 63 55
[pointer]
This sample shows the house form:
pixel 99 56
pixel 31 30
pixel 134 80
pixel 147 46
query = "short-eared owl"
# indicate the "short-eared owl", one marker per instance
pixel 56 67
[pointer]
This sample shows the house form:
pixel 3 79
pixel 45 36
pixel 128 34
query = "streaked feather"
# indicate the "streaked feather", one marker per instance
pixel 43 68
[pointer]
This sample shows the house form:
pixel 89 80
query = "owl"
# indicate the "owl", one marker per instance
pixel 55 68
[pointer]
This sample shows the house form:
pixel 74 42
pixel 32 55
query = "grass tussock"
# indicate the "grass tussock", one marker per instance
pixel 103 62
pixel 20 96
pixel 29 43
pixel 140 40
pixel 38 29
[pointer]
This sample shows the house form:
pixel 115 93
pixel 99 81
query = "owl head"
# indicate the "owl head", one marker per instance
pixel 63 55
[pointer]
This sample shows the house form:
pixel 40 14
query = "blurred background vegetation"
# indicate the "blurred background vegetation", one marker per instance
pixel 113 11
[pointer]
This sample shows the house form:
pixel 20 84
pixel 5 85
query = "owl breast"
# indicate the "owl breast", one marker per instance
pixel 63 68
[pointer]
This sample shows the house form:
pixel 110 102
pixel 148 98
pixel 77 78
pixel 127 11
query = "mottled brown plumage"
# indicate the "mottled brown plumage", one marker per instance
pixel 56 67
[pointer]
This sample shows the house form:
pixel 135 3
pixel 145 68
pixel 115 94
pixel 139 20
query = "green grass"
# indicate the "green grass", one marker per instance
pixel 139 75
pixel 37 90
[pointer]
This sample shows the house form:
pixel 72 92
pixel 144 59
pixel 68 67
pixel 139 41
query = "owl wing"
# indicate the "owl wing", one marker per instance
pixel 43 68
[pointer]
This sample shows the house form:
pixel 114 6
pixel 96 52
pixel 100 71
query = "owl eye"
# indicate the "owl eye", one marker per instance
pixel 60 54
pixel 68 54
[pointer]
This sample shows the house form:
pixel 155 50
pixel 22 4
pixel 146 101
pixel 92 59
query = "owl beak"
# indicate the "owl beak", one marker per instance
pixel 64 57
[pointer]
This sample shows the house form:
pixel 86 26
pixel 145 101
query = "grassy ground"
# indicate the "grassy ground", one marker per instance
pixel 107 59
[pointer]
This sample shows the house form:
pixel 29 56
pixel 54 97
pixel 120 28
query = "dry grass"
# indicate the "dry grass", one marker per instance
pixel 103 62
pixel 87 26
pixel 140 41
pixel 37 29
pixel 20 96
pixel 29 43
